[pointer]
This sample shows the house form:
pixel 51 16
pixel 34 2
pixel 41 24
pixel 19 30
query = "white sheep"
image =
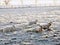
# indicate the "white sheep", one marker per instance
pixel 46 25
pixel 9 29
pixel 33 22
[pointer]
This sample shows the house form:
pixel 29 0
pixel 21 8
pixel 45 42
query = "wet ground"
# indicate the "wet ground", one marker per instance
pixel 22 37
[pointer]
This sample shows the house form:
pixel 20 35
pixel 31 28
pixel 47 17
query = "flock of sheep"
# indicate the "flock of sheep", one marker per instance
pixel 45 26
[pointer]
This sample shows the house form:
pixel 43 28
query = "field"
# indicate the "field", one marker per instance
pixel 21 18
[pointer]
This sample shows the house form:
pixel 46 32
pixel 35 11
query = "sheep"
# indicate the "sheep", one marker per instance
pixel 39 29
pixel 33 22
pixel 46 26
pixel 9 29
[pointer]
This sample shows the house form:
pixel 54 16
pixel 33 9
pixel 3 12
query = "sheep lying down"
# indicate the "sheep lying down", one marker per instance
pixel 33 22
pixel 46 25
pixel 9 28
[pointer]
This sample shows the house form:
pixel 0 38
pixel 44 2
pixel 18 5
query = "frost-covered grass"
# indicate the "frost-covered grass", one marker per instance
pixel 24 19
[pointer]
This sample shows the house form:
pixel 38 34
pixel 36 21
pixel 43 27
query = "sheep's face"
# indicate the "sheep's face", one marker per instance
pixel 50 23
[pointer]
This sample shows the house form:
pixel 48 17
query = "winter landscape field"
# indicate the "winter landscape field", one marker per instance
pixel 14 24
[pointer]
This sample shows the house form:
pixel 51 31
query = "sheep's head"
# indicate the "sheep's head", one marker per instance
pixel 50 23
